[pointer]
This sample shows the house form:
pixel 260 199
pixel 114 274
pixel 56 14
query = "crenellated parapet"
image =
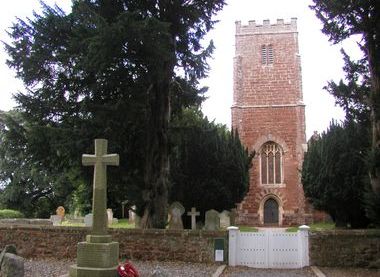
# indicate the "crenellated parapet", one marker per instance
pixel 266 27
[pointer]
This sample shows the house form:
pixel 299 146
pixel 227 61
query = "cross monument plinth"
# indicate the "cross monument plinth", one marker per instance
pixel 98 256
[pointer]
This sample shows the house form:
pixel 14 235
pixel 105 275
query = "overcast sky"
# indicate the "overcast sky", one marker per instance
pixel 320 60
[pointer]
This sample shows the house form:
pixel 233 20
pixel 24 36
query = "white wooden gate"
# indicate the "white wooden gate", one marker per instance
pixel 269 249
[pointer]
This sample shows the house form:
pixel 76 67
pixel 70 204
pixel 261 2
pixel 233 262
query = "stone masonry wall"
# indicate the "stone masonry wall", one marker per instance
pixel 345 248
pixel 61 242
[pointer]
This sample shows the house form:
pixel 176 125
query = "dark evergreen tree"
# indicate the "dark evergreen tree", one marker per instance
pixel 209 165
pixel 343 19
pixel 28 187
pixel 334 173
pixel 111 69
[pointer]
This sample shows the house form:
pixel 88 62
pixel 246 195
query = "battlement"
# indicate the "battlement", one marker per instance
pixel 266 28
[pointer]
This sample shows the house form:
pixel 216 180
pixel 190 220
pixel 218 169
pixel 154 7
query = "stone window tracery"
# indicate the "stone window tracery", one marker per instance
pixel 271 164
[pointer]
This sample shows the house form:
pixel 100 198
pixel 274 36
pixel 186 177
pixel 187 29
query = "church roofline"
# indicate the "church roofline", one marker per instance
pixel 279 27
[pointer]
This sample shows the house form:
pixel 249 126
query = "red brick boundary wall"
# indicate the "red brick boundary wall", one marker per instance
pixel 61 242
pixel 345 248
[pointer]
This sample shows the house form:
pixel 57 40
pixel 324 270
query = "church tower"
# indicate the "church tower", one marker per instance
pixel 269 114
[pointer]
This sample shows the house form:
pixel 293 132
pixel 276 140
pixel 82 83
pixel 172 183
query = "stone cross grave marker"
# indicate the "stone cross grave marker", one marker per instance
pixel 176 211
pixel 99 201
pixel 193 215
pixel 212 221
pixel 225 219
pixel 98 255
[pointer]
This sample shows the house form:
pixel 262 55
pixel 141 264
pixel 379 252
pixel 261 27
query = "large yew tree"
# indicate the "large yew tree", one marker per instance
pixel 334 173
pixel 111 68
pixel 344 19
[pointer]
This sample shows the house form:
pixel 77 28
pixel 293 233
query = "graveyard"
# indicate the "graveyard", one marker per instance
pixel 110 165
pixel 99 249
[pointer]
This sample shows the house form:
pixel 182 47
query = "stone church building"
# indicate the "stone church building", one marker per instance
pixel 269 114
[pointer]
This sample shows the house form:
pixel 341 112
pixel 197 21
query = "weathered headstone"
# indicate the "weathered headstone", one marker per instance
pixel 225 219
pixel 98 255
pixel 88 219
pixel 193 213
pixel 60 211
pixel 12 266
pixel 212 221
pixel 56 220
pixel 176 211
pixel 132 214
pixel 109 216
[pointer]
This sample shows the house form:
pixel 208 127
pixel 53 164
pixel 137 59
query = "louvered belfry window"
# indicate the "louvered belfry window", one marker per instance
pixel 271 164
pixel 267 56
pixel 263 54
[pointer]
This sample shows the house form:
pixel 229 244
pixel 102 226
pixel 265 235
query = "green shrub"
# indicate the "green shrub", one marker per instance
pixel 10 214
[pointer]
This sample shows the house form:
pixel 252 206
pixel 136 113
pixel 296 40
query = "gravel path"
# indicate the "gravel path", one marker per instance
pixel 42 268
pixel 241 271
pixel 349 272
pixel 53 268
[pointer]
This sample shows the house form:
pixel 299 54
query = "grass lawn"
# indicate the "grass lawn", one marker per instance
pixel 123 223
pixel 320 226
pixel 244 228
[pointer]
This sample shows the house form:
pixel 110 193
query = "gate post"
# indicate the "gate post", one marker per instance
pixel 303 245
pixel 233 245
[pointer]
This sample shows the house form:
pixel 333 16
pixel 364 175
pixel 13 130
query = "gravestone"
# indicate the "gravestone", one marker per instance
pixel 225 219
pixel 212 221
pixel 176 211
pixel 109 216
pixel 98 255
pixel 233 216
pixel 193 213
pixel 60 211
pixel 56 220
pixel 88 219
pixel 132 214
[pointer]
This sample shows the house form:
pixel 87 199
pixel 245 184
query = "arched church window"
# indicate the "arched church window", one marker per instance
pixel 271 163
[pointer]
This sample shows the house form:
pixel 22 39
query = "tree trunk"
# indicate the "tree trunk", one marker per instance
pixel 156 173
pixel 375 112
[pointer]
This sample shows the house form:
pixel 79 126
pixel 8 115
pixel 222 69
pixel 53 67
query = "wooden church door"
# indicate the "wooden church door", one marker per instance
pixel 271 211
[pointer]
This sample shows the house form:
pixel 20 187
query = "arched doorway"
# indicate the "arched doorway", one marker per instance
pixel 271 211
